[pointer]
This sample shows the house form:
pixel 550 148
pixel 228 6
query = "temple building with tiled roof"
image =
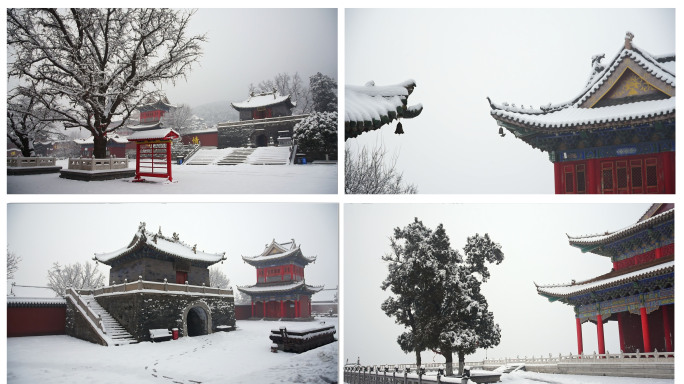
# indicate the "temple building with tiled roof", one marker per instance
pixel 369 107
pixel 616 136
pixel 638 292
pixel 281 290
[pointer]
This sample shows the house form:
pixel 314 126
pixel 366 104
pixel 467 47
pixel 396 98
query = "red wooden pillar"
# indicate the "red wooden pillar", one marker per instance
pixel 137 161
pixel 599 330
pixel 282 309
pixel 666 328
pixel 644 329
pixel 593 181
pixel 264 314
pixel 621 332
pixel 668 161
pixel 578 323
pixel 557 176
pixel 309 307
pixel 252 308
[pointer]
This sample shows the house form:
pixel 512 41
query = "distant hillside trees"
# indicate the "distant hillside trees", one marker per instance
pixel 287 84
pixel 90 66
pixel 77 276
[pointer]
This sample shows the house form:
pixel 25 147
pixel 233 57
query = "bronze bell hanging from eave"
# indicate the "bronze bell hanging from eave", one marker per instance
pixel 501 132
pixel 399 130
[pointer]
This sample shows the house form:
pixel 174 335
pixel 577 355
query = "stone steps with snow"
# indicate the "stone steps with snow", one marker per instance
pixel 237 156
pixel 270 156
pixel 112 327
pixel 208 156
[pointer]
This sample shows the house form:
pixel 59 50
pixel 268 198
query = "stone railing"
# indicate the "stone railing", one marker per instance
pixel 165 286
pixel 584 358
pixel 93 164
pixel 356 374
pixel 31 161
pixel 85 309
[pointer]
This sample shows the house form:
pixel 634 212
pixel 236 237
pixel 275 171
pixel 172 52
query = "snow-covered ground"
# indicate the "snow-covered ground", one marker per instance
pixel 242 356
pixel 536 378
pixel 243 179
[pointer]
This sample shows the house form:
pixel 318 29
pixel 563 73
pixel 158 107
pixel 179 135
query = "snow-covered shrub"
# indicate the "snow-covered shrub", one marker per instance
pixel 317 133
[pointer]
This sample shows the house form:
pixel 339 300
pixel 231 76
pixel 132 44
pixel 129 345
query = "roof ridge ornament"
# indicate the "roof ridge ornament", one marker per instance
pixel 628 40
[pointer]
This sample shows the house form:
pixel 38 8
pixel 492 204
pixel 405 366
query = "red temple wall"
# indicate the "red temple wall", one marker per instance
pixel 624 170
pixel 243 312
pixel 631 330
pixel 206 139
pixel 657 253
pixel 36 321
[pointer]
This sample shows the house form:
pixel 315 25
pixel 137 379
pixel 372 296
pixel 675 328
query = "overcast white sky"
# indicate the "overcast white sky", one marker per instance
pixel 250 45
pixel 458 57
pixel 44 233
pixel 534 242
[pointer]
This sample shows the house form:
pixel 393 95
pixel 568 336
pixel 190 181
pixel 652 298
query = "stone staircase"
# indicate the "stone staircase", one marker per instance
pixel 237 156
pixel 206 156
pixel 270 156
pixel 114 330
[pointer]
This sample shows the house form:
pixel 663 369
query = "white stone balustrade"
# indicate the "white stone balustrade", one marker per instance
pixel 93 164
pixel 31 161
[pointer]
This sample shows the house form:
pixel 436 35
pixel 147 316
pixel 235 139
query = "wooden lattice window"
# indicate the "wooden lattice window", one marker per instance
pixel 607 177
pixel 581 180
pixel 621 173
pixel 636 170
pixel 651 173
pixel 569 179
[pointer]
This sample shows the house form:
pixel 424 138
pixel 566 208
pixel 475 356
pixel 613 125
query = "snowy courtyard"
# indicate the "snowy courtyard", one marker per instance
pixel 242 179
pixel 242 356
pixel 535 378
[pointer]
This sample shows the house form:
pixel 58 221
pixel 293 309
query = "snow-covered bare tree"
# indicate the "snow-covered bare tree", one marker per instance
pixel 323 93
pixel 92 66
pixel 217 278
pixel 317 133
pixel 13 261
pixel 287 84
pixel 77 275
pixel 179 118
pixel 28 121
pixel 368 172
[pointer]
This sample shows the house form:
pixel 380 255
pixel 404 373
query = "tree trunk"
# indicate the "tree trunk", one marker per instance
pixel 449 363
pixel 418 359
pixel 27 149
pixel 100 146
pixel 461 363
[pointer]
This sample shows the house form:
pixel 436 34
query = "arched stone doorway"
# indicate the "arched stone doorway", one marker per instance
pixel 196 319
pixel 261 140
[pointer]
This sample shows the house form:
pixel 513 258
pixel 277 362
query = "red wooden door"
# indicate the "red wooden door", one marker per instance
pixel 181 277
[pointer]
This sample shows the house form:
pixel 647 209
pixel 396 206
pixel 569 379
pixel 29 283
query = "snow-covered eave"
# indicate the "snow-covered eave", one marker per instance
pixel 294 253
pixel 154 134
pixel 575 118
pixel 35 301
pixel 259 289
pixel 560 291
pixel 597 239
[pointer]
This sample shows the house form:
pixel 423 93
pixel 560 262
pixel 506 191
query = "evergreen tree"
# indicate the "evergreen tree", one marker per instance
pixel 438 292
pixel 317 133
pixel 323 92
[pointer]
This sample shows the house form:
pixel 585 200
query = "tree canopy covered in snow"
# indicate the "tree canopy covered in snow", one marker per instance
pixel 436 292
pixel 318 132
pixel 93 66
pixel 367 172
pixel 217 278
pixel 324 93
pixel 28 121
pixel 287 84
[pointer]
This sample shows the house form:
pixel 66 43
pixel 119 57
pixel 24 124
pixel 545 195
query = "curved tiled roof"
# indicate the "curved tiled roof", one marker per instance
pixel 573 113
pixel 264 100
pixel 154 134
pixel 615 278
pixel 300 285
pixel 170 247
pixel 279 252
pixel 587 240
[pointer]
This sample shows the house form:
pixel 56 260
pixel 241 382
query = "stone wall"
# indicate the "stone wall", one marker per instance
pixel 246 134
pixel 156 270
pixel 138 312
pixel 79 327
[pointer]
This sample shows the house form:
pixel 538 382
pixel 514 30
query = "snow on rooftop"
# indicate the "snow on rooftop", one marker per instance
pixel 370 102
pixel 575 116
pixel 164 245
pixel 594 239
pixel 262 100
pixel 570 288
pixel 31 301
pixel 163 133
pixel 278 287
